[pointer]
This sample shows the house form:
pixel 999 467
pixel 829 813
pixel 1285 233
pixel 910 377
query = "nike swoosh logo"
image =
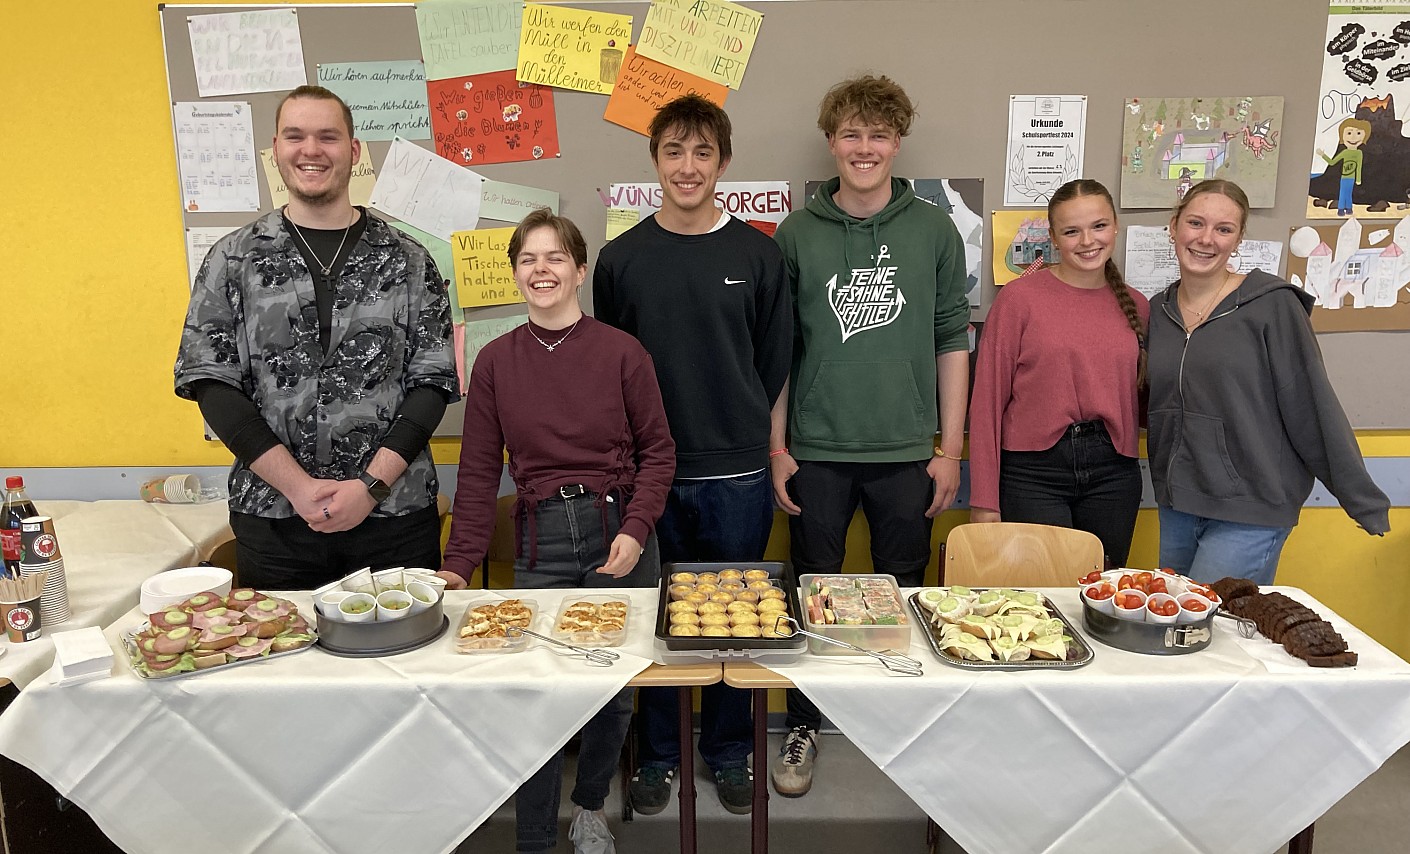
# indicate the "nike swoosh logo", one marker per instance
pixel 730 281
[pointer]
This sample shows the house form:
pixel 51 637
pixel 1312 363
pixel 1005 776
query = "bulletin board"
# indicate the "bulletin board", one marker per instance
pixel 960 61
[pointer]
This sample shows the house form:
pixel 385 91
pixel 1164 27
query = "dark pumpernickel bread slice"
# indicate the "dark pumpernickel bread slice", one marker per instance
pixel 1341 659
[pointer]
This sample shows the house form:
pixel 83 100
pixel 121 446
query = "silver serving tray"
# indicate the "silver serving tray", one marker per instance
pixel 1084 656
pixel 129 645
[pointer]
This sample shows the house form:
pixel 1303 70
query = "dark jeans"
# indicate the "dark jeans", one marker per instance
pixel 571 546
pixel 728 519
pixel 1081 482
pixel 285 554
pixel 894 498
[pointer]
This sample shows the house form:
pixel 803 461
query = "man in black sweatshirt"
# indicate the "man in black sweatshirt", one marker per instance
pixel 706 295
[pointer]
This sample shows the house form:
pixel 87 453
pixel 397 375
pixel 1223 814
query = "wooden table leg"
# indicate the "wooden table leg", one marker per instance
pixel 687 794
pixel 1302 843
pixel 759 818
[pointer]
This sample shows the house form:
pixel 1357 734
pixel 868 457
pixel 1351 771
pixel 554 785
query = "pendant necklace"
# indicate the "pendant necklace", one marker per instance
pixel 1210 303
pixel 550 347
pixel 314 255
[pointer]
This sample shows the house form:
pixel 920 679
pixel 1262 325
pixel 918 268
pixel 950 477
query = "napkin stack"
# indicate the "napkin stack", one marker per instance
pixel 82 655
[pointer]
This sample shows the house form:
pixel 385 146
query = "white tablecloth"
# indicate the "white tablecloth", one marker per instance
pixel 314 753
pixel 109 549
pixel 1208 752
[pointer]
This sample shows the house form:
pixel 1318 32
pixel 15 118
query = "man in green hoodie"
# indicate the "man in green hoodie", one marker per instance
pixel 880 350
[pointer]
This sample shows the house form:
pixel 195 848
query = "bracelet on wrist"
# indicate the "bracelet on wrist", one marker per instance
pixel 777 452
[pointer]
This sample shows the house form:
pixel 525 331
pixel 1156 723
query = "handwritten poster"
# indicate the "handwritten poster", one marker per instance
pixel 1151 266
pixel 464 37
pixel 427 191
pixel 1047 134
pixel 238 52
pixel 483 274
pixel 712 39
pixel 572 48
pixel 491 118
pixel 478 333
pixel 762 204
pixel 387 99
pixel 512 202
pixel 645 86
pixel 215 151
pixel 620 221
pixel 199 240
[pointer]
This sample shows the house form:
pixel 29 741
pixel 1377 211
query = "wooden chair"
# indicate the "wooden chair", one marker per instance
pixel 1017 554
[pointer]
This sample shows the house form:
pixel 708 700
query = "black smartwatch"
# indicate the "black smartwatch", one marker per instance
pixel 377 489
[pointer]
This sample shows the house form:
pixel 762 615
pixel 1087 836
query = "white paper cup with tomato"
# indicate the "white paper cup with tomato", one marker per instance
pixel 1130 604
pixel 1162 609
pixel 1193 607
pixel 393 605
pixel 1100 596
pixel 358 608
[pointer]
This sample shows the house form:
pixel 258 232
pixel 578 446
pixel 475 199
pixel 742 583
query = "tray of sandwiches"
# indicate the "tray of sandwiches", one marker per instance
pixel 998 629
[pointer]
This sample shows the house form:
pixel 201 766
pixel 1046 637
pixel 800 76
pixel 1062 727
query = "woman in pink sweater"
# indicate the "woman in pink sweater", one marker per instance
pixel 1055 413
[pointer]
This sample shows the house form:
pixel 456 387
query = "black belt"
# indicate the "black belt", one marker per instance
pixel 573 490
pixel 1085 428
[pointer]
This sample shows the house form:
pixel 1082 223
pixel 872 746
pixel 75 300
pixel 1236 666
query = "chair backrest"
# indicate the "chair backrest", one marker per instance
pixel 1017 554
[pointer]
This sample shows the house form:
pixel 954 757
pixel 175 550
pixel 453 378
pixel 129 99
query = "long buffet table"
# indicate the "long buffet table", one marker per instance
pixel 1235 748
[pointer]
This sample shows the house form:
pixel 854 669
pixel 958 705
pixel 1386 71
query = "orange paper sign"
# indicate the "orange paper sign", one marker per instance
pixel 646 86
pixel 492 118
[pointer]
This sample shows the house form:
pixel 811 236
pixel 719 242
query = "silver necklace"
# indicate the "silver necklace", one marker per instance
pixel 314 255
pixel 549 346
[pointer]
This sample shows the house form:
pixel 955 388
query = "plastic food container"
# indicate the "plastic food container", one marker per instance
pixel 577 614
pixel 506 616
pixel 695 648
pixel 874 637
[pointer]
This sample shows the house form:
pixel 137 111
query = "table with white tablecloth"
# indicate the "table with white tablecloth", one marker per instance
pixel 109 549
pixel 317 753
pixel 1234 748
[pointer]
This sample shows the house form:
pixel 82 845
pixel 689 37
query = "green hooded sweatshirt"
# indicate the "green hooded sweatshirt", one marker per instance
pixel 876 300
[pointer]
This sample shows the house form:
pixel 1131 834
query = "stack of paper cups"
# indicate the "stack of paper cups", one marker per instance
pixel 40 553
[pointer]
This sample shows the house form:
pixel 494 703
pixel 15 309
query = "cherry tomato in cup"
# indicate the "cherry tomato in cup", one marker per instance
pixel 1091 578
pixel 1125 582
pixel 1101 591
pixel 1143 578
pixel 1129 601
pixel 1195 605
pixel 1157 585
pixel 1163 607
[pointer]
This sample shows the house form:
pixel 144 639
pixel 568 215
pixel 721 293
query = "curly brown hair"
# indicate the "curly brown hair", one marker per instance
pixel 870 99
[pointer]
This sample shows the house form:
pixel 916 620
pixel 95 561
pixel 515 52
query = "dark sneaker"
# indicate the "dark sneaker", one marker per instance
pixel 650 789
pixel 736 787
pixel 793 769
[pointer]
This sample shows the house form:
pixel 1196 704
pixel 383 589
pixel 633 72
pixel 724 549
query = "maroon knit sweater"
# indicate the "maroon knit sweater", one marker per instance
pixel 587 413
pixel 1050 355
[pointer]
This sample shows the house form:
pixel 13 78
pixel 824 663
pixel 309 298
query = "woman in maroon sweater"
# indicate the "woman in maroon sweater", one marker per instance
pixel 1054 419
pixel 576 404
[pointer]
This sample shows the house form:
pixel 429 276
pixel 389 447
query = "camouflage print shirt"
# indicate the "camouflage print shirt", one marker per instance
pixel 253 323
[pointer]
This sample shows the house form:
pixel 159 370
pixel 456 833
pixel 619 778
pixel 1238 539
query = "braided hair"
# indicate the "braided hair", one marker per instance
pixel 1114 280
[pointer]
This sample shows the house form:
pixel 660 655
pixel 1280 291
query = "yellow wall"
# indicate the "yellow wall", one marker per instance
pixel 94 291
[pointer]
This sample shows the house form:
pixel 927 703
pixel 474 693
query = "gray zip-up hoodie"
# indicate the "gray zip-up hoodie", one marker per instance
pixel 1242 415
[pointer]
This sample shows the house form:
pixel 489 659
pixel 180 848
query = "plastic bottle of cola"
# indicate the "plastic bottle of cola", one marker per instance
pixel 17 507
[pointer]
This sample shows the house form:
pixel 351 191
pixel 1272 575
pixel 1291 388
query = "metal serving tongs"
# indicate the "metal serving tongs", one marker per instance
pixel 1247 628
pixel 901 665
pixel 600 657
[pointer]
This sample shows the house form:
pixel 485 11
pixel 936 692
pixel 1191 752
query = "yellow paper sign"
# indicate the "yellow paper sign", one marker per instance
pixel 711 38
pixel 621 219
pixel 1021 242
pixel 572 48
pixel 363 179
pixel 483 275
pixel 646 86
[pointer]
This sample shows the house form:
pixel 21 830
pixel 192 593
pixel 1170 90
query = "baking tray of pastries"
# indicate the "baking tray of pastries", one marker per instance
pixel 715 607
pixel 998 629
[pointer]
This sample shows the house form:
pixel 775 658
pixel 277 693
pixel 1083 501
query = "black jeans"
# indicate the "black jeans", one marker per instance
pixel 1081 482
pixel 285 554
pixel 571 546
pixel 894 498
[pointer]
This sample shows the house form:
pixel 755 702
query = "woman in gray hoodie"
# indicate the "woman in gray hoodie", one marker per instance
pixel 1242 415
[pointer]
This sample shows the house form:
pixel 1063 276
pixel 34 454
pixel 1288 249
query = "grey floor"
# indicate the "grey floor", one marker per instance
pixel 854 808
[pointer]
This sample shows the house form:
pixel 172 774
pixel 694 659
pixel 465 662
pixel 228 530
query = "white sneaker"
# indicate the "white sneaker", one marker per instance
pixel 589 833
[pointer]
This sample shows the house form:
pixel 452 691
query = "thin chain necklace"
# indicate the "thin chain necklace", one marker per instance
pixel 314 255
pixel 552 346
pixel 1210 303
